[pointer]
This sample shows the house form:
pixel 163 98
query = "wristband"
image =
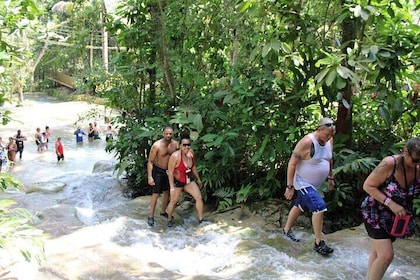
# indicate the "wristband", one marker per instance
pixel 290 187
pixel 387 200
pixel 330 178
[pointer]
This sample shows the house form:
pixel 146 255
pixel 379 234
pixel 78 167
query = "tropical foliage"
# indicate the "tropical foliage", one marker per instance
pixel 17 237
pixel 249 78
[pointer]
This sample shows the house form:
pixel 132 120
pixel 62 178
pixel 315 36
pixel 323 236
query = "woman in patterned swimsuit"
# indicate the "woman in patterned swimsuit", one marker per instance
pixel 391 188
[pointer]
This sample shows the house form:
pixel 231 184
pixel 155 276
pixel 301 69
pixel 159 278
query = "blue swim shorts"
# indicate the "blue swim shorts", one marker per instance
pixel 308 199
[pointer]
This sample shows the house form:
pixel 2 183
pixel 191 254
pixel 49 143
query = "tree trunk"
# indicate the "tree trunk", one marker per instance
pixel 162 49
pixel 104 37
pixel 345 118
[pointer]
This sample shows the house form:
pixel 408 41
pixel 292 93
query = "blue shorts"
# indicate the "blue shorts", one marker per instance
pixel 308 199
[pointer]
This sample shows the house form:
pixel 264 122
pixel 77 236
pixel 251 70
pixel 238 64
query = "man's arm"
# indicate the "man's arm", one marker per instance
pixel 300 153
pixel 150 162
pixel 331 182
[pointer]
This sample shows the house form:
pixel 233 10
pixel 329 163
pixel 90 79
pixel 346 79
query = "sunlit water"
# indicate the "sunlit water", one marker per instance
pixel 97 233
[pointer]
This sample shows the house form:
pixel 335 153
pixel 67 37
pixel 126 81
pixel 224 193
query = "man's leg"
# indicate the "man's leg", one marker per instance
pixel 153 202
pixel 292 217
pixel 317 221
pixel 165 200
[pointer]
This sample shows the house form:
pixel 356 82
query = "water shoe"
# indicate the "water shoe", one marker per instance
pixel 150 221
pixel 291 235
pixel 322 248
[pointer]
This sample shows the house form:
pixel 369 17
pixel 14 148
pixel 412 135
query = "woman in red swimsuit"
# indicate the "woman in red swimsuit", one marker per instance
pixel 180 167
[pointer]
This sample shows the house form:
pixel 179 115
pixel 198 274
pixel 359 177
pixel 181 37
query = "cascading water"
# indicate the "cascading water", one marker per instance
pixel 94 232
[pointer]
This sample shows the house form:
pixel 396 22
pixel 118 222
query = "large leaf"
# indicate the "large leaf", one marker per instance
pixel 261 149
pixel 384 113
pixel 330 77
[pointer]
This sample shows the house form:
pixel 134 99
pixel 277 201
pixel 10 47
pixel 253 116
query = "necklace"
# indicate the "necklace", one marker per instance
pixel 405 175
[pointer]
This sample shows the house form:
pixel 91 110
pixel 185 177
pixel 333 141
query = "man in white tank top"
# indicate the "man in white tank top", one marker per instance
pixel 309 166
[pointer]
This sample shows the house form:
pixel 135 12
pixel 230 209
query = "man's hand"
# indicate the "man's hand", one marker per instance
pixel 150 181
pixel 331 185
pixel 289 193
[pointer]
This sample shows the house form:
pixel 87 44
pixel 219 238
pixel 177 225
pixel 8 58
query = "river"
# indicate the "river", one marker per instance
pixel 94 232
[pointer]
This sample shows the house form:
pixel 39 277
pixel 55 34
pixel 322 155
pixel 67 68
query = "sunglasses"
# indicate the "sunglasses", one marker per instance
pixel 186 144
pixel 329 124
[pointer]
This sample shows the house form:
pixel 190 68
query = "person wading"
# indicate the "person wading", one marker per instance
pixel 157 175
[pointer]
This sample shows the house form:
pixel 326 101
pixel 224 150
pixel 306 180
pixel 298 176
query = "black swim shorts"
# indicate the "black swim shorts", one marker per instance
pixel 160 176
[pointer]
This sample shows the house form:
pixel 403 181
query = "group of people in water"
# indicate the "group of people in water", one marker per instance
pixel 9 151
pixel 171 169
pixel 15 146
pixel 94 133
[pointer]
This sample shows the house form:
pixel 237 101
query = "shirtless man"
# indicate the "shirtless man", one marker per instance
pixel 37 138
pixel 157 167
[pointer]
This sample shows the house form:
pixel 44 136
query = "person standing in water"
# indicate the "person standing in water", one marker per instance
pixel 38 136
pixel 11 151
pixel 19 138
pixel 180 168
pixel 97 131
pixel 79 135
pixel 309 166
pixel 59 149
pixel 3 155
pixel 47 136
pixel 109 134
pixel 157 172
pixel 391 187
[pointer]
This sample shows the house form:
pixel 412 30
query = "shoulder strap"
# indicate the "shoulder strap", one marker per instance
pixel 395 165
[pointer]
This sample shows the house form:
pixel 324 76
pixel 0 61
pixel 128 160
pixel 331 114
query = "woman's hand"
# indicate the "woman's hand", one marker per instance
pixel 397 209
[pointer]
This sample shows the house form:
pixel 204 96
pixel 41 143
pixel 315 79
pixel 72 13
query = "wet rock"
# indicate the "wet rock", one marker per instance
pixel 104 166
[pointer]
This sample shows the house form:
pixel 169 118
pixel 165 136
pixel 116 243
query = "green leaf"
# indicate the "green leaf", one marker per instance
pixel 208 137
pixel 344 72
pixel 275 44
pixel 321 75
pixel 245 5
pixel 324 61
pixel 398 106
pixel 340 83
pixel 197 121
pixel 261 149
pixel 286 47
pixel 266 49
pixel 330 77
pixel 384 113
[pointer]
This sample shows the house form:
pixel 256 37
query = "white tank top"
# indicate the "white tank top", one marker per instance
pixel 314 171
